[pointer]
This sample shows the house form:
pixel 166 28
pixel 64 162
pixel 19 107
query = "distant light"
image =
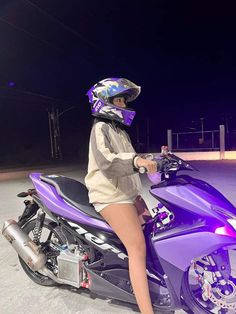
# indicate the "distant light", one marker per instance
pixel 11 84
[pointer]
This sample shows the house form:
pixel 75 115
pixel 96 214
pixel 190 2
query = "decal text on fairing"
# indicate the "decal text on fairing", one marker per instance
pixel 90 237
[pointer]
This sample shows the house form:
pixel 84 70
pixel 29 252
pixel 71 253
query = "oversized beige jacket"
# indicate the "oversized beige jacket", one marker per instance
pixel 111 176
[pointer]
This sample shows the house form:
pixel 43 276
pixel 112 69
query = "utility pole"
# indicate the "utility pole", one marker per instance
pixel 148 135
pixel 54 131
pixel 202 119
pixel 50 119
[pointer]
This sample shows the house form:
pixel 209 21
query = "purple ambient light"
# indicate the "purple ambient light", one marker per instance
pixel 226 231
pixel 11 84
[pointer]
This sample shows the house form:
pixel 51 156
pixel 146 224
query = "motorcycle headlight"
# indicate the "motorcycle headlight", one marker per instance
pixel 232 222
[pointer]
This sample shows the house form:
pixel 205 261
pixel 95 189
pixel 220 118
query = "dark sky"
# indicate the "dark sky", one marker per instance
pixel 182 53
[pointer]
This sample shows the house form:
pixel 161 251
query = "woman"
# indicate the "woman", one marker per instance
pixel 113 179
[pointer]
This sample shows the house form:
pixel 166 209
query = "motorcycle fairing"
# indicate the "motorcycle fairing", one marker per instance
pixel 177 253
pixel 112 266
pixel 194 195
pixel 112 251
pixel 180 251
pixel 177 246
pixel 50 198
pixel 99 285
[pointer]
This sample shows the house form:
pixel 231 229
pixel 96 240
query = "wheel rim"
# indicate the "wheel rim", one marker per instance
pixel 207 292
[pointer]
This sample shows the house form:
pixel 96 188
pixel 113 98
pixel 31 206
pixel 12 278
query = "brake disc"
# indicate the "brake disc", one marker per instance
pixel 209 294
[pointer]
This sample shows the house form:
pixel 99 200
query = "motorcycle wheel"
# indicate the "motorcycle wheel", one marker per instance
pixel 51 232
pixel 193 294
pixel 193 306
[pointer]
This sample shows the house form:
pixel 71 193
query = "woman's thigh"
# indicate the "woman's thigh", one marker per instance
pixel 123 219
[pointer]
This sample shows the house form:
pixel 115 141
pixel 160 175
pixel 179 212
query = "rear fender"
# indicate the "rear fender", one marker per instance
pixel 29 212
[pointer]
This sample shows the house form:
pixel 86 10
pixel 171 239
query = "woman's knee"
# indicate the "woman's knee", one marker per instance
pixel 137 248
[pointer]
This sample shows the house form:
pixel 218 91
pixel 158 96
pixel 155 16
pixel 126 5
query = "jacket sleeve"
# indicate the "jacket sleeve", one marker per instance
pixel 110 163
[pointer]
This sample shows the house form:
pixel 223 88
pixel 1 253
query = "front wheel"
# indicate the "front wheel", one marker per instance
pixel 51 233
pixel 203 292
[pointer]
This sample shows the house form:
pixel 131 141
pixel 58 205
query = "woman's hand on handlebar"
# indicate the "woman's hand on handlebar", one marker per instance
pixel 150 165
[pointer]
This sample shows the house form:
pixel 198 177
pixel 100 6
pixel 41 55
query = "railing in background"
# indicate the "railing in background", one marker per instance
pixel 198 141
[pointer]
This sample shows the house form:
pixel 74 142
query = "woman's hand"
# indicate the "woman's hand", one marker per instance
pixel 150 165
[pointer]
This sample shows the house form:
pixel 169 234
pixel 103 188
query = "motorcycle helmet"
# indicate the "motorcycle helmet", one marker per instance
pixel 102 94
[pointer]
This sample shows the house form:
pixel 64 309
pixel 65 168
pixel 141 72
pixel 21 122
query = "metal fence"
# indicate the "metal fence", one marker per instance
pixel 213 140
pixel 191 141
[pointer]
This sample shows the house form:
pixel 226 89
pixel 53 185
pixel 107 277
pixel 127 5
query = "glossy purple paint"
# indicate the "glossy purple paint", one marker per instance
pixel 60 207
pixel 181 250
pixel 155 178
pixel 192 198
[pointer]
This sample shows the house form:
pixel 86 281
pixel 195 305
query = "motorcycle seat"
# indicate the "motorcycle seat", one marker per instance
pixel 72 191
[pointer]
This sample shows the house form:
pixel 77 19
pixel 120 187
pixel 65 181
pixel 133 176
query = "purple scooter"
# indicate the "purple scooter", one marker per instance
pixel 191 242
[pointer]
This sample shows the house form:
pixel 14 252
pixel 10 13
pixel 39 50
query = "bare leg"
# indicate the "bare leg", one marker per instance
pixel 123 219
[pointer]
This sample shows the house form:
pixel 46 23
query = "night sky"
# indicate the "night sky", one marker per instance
pixel 182 54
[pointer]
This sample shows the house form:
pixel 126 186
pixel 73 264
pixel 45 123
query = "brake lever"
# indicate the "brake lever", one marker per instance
pixel 180 161
pixel 149 156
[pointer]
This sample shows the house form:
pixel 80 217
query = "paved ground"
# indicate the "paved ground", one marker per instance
pixel 18 294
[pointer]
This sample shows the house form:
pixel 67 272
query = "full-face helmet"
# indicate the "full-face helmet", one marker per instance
pixel 102 94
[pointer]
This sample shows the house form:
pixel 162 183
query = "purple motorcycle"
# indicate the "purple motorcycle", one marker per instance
pixel 191 242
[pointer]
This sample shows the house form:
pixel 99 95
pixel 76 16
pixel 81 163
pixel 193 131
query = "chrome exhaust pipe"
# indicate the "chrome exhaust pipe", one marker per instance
pixel 24 246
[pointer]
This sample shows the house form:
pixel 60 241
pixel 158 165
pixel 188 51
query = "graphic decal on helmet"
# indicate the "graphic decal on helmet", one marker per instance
pixel 101 96
pixel 98 105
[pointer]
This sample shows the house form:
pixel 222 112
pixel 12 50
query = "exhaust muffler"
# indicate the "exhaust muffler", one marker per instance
pixel 24 246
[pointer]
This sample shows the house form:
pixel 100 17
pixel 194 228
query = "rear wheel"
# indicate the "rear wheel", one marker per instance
pixel 51 233
pixel 204 293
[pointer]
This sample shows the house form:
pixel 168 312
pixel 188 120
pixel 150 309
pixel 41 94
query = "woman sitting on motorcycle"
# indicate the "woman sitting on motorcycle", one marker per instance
pixel 113 179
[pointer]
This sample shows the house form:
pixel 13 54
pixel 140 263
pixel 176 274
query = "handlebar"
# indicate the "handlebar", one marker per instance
pixel 171 162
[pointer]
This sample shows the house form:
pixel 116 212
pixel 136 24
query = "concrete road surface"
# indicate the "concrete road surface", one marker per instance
pixel 19 295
